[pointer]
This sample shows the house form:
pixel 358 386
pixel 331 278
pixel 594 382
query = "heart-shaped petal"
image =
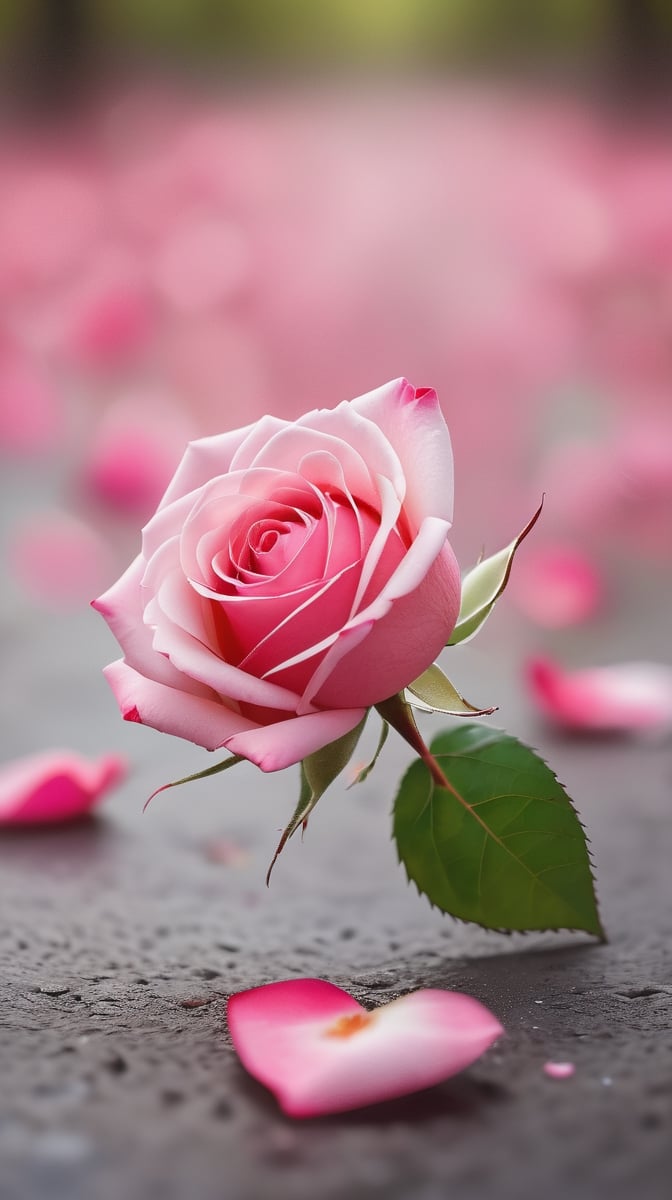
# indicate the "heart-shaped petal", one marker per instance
pixel 54 786
pixel 319 1051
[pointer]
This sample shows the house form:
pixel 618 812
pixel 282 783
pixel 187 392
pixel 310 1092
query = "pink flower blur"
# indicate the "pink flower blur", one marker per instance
pixel 556 586
pixel 201 264
pixel 630 697
pixel 31 407
pixel 55 786
pixel 617 487
pixel 319 1051
pixel 111 320
pixel 135 450
pixel 57 560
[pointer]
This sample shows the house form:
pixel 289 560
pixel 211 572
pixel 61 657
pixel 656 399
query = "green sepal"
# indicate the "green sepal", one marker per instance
pixel 222 766
pixel 300 816
pixel 484 584
pixel 498 842
pixel 318 770
pixel 436 693
pixel 366 771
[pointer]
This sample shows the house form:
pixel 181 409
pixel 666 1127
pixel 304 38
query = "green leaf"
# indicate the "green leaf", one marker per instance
pixel 483 585
pixel 318 770
pixel 435 692
pixel 222 766
pixel 366 771
pixel 500 844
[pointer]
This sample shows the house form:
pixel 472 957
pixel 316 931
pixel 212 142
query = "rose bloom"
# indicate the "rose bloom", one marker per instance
pixel 294 574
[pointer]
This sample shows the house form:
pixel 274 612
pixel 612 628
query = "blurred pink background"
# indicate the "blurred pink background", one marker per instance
pixel 178 260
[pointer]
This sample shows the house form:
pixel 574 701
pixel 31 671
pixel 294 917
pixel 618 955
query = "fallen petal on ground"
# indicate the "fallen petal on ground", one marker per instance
pixel 559 1070
pixel 319 1051
pixel 55 786
pixel 629 697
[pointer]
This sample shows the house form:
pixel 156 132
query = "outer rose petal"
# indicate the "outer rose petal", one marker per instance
pixel 200 662
pixel 56 785
pixel 286 450
pixel 205 722
pixel 204 460
pixel 321 1052
pixel 403 643
pixel 273 747
pixel 412 421
pixel 121 607
pixel 624 698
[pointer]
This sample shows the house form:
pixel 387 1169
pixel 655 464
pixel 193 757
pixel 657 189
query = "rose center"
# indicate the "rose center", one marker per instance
pixel 345 1027
pixel 267 540
pixel 273 544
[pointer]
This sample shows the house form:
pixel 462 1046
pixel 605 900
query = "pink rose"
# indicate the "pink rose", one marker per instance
pixel 294 574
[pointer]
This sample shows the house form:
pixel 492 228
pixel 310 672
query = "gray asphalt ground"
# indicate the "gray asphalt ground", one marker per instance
pixel 121 937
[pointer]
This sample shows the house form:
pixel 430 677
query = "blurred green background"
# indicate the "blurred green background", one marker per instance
pixel 380 33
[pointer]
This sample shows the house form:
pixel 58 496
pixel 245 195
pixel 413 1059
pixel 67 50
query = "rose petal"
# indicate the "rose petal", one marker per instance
pixel 389 512
pixel 413 422
pixel 206 459
pixel 274 656
pixel 206 722
pixel 410 634
pixel 273 747
pixel 203 664
pixel 624 698
pixel 346 427
pixel 286 450
pixel 346 643
pixel 56 785
pixel 255 438
pixel 121 607
pixel 320 1052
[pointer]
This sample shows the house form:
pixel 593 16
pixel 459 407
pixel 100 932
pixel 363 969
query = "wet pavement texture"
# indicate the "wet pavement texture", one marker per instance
pixel 122 936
